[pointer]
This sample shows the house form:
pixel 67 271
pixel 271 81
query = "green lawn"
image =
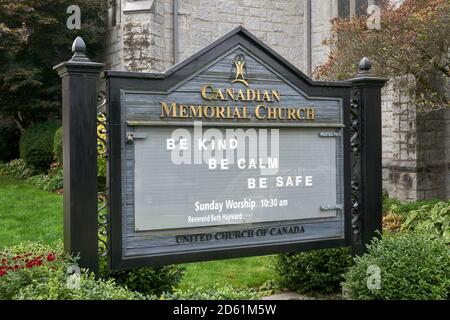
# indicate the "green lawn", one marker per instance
pixel 248 272
pixel 27 213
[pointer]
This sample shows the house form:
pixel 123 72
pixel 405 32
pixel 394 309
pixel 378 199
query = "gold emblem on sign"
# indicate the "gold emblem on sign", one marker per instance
pixel 240 70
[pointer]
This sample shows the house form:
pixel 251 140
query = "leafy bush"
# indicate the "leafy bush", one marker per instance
pixel 149 280
pixel 388 203
pixel 28 263
pixel 392 222
pixel 403 209
pixel 317 270
pixel 58 146
pixel 53 181
pixel 411 267
pixel 36 145
pixel 433 220
pixel 216 292
pixel 56 288
pixel 270 287
pixel 9 143
pixel 17 169
pixel 36 271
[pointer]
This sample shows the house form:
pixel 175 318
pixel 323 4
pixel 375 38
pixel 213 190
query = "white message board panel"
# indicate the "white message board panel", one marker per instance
pixel 239 185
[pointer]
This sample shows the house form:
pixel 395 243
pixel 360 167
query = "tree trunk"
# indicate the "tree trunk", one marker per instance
pixel 19 123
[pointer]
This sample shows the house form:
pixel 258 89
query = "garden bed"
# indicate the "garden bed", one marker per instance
pixel 32 214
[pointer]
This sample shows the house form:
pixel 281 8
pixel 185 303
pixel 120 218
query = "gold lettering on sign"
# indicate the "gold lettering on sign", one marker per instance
pixel 168 111
pixel 311 115
pixel 258 114
pixel 240 96
pixel 209 112
pixel 251 95
pixel 220 95
pixel 236 114
pixel 276 95
pixel 230 94
pixel 271 113
pixel 263 99
pixel 182 109
pixel 220 112
pixel 196 112
pixel 208 94
pixel 291 114
pixel 262 112
pixel 266 96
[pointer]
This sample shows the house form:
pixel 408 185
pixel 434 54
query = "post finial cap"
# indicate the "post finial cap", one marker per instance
pixel 365 77
pixel 365 65
pixel 79 59
pixel 79 46
pixel 79 50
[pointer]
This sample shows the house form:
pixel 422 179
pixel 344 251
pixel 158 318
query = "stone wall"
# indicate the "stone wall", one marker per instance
pixel 322 12
pixel 279 23
pixel 416 154
pixel 143 37
pixel 143 41
pixel 114 49
pixel 113 54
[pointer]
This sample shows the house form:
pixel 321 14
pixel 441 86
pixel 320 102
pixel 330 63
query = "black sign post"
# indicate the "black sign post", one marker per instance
pixel 79 95
pixel 366 156
pixel 346 115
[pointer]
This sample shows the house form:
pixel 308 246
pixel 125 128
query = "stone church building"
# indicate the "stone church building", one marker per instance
pixel 153 35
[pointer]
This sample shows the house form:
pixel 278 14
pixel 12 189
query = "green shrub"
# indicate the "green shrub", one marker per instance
pixel 392 222
pixel 317 270
pixel 432 220
pixel 53 181
pixel 36 145
pixel 29 263
pixel 57 146
pixel 270 287
pixel 56 288
pixel 403 209
pixel 149 280
pixel 9 143
pixel 216 292
pixel 35 271
pixel 411 267
pixel 17 169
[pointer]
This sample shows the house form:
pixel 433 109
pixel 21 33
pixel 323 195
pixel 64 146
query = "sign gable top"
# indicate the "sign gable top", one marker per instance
pixel 224 71
pixel 238 37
